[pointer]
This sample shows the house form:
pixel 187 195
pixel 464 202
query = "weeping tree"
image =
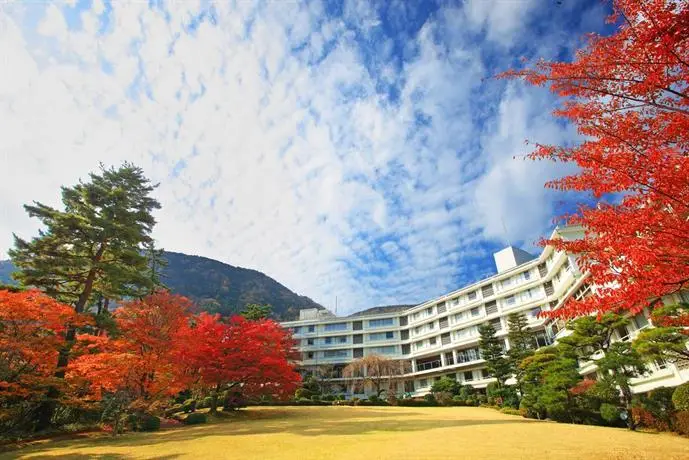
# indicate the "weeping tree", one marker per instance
pixel 380 371
pixel 92 251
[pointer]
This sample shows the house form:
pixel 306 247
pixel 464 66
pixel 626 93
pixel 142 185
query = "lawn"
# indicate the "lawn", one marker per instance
pixel 372 433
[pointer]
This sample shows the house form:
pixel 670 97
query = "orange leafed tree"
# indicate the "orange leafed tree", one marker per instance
pixel 140 364
pixel 628 96
pixel 32 331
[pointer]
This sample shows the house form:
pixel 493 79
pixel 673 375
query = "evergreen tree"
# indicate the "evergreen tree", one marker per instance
pixel 92 249
pixel 493 352
pixel 619 362
pixel 521 345
pixel 254 312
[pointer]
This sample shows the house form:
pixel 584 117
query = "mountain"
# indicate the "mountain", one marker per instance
pixel 218 287
pixel 223 288
pixel 6 269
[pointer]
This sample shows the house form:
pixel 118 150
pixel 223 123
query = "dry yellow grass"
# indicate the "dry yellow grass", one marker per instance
pixel 373 433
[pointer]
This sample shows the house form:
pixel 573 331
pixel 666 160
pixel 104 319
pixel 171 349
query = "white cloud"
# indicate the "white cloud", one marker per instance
pixel 305 172
pixel 501 19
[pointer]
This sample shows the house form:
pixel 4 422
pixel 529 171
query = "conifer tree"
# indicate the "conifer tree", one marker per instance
pixel 93 248
pixel 492 351
pixel 521 344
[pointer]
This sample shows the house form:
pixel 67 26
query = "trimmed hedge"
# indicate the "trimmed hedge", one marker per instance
pixel 417 403
pixel 143 422
pixel 680 397
pixel 510 411
pixel 195 418
pixel 680 422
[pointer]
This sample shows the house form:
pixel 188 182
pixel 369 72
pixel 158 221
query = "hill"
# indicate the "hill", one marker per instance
pixel 218 287
pixel 223 288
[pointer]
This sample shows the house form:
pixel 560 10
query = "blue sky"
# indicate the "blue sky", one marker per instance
pixel 352 149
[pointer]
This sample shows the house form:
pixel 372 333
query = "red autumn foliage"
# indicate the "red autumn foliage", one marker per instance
pixel 628 96
pixel 251 357
pixel 141 361
pixel 161 349
pixel 32 331
pixel 582 387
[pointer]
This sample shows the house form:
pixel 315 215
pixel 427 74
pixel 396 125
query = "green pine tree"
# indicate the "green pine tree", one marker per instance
pixel 254 312
pixel 96 244
pixel 493 352
pixel 521 345
pixel 92 249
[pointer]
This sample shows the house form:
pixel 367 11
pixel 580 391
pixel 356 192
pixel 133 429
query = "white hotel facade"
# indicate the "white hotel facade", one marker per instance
pixel 440 337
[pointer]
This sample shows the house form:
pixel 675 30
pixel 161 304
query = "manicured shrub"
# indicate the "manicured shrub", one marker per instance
pixel 174 409
pixel 430 398
pixel 233 400
pixel 458 401
pixel 302 393
pixel 315 397
pixel 510 411
pixel 189 406
pixel 392 399
pixel 443 398
pixel 609 412
pixel 195 419
pixel 204 403
pixel 680 422
pixel 374 398
pixel 680 397
pixel 408 402
pixel 148 422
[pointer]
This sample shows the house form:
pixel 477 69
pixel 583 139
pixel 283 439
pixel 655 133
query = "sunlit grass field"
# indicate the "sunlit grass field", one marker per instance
pixel 371 433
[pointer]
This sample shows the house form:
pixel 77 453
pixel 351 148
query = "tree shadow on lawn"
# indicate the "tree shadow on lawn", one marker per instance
pixel 300 423
pixel 97 457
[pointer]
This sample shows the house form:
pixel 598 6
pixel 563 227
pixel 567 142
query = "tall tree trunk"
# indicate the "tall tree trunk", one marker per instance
pixel 46 410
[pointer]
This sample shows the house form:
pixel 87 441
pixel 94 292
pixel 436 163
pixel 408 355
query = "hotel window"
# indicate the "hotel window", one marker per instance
pixel 640 321
pixel 431 326
pixel 475 311
pixel 491 307
pixel 417 330
pixel 381 336
pixel 468 376
pixel 389 350
pixel 335 353
pixel 336 327
pixel 381 322
pixel 309 355
pixel 309 341
pixel 429 311
pixel 296 330
pixel 535 312
pixel 432 341
pixel 496 323
pixel 328 340
pixel 527 275
pixel 485 373
pixel 471 296
pixel 510 301
pixel 506 283
pixel 312 328
pixel 423 383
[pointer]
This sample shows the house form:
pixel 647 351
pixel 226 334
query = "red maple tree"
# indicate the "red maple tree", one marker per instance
pixel 140 364
pixel 32 331
pixel 628 96
pixel 249 358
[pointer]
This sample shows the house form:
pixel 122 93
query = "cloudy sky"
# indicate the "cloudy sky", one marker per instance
pixel 347 149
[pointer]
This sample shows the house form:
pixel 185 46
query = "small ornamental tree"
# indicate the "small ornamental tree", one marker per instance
pixel 380 371
pixel 628 96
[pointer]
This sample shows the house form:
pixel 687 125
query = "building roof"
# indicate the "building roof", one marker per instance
pixel 380 310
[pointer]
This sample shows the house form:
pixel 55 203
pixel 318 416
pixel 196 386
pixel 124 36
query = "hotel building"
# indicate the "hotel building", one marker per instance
pixel 440 336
